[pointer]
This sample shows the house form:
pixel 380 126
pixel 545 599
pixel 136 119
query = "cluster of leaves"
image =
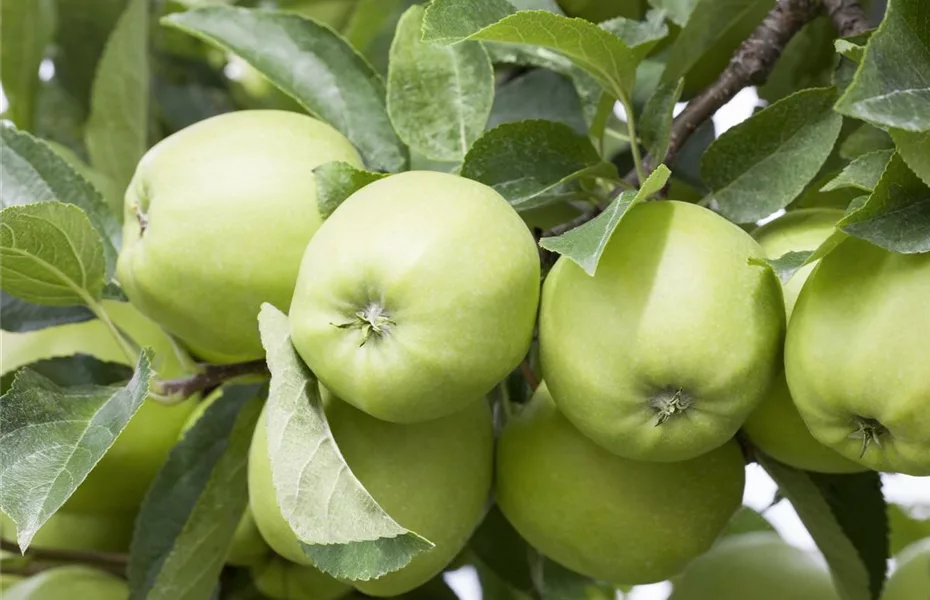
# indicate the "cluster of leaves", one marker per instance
pixel 515 95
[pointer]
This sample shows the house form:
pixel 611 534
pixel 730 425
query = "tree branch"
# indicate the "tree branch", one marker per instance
pixel 210 376
pixel 109 561
pixel 847 16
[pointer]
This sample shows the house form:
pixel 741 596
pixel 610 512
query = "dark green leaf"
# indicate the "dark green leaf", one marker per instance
pixel 50 254
pixel 25 30
pixel 188 518
pixel 686 164
pixel 345 533
pixel 75 370
pixel 763 163
pixel 863 173
pixel 21 316
pixel 914 148
pixel 897 214
pixel 530 162
pixel 843 518
pixel 892 86
pixel 865 139
pixel 585 244
pixel 335 82
pixel 555 582
pixel 656 121
pixel 52 438
pixel 438 97
pixel 807 61
pixel 367 20
pixel 116 131
pixel 501 549
pixel 539 94
pixel 336 181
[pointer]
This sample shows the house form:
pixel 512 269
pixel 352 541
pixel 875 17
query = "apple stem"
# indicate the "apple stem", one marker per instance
pixel 172 391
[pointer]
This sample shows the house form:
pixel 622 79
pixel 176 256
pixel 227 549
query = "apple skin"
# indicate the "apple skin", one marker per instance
pixel 67 530
pixel 230 204
pixel 69 583
pixel 911 578
pixel 775 427
pixel 759 561
pixel 425 250
pixel 611 518
pixel 856 356
pixel 435 481
pixel 674 305
pixel 281 579
pixel 118 483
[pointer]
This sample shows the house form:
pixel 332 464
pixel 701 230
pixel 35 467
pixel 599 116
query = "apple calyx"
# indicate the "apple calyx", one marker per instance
pixel 142 218
pixel 869 431
pixel 670 402
pixel 372 320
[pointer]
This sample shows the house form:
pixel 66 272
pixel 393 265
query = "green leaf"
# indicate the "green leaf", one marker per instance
pixel 188 518
pixel 52 438
pixel 21 316
pixel 555 582
pixel 313 65
pixel 640 36
pixel 117 128
pixel 807 61
pixel 530 162
pixel 342 529
pixel 26 28
pixel 892 86
pixel 678 11
pixel 866 138
pixel 74 370
pixel 336 181
pixel 704 47
pixel 585 244
pixel 538 94
pixel 845 514
pixel 501 549
pixel 849 49
pixel 655 124
pixel 914 148
pixel 438 97
pixel 32 172
pixel 786 265
pixel 908 524
pixel 897 214
pixel 605 56
pixel 50 254
pixel 863 173
pixel 367 20
pixel 763 163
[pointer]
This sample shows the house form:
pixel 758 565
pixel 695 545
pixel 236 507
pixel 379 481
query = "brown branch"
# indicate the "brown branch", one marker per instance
pixel 210 376
pixel 109 561
pixel 847 16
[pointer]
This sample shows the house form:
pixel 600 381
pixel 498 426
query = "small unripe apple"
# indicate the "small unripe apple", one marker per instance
pixel 280 579
pixel 216 220
pixel 69 583
pixel 66 530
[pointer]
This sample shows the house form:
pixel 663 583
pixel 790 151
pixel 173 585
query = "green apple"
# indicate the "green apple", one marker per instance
pixel 69 583
pixel 66 530
pixel 775 427
pixel 119 481
pixel 217 218
pixel 417 296
pixel 281 579
pixel 757 565
pixel 433 478
pixel 619 520
pixel 857 352
pixel 665 351
pixel 911 578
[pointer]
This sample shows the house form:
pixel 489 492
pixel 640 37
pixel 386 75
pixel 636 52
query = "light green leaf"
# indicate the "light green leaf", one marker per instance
pixel 438 97
pixel 845 514
pixel 786 265
pixel 914 148
pixel 538 94
pixel 550 5
pixel 336 181
pixel 117 128
pixel 585 244
pixel 714 30
pixel 849 49
pixel 53 434
pixel 530 162
pixel 655 124
pixel 897 214
pixel 639 36
pixel 863 173
pixel 32 172
pixel 763 163
pixel 342 529
pixel 313 65
pixel 50 254
pixel 26 28
pixel 188 518
pixel 892 86
pixel 679 11
pixel 605 56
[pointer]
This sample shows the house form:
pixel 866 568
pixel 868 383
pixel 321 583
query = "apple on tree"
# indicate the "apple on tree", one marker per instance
pixel 69 583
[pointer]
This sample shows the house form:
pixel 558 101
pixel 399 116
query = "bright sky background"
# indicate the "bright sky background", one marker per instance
pixel 760 489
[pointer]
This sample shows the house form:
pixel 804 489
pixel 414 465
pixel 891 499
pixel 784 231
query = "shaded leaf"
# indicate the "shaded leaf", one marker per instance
pixel 335 82
pixel 53 436
pixel 26 28
pixel 914 148
pixel 187 521
pixel 762 164
pixel 585 244
pixel 74 370
pixel 340 527
pixel 336 181
pixel 438 97
pixel 367 20
pixel 529 162
pixel 538 94
pixel 866 138
pixel 862 173
pixel 807 61
pixel 21 316
pixel 786 265
pixel 655 124
pixel 50 254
